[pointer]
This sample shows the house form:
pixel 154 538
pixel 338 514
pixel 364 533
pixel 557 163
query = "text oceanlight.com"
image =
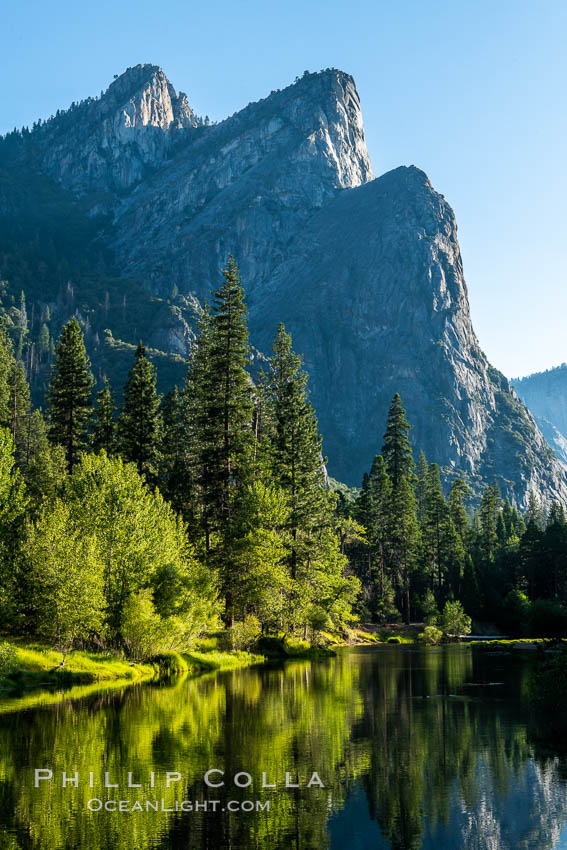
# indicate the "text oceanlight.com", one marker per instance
pixel 97 805
pixel 214 778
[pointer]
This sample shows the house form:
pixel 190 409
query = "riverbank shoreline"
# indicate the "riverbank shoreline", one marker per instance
pixel 33 665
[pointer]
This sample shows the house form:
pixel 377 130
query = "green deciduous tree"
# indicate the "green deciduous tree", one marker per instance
pixel 141 544
pixel 65 580
pixel 12 507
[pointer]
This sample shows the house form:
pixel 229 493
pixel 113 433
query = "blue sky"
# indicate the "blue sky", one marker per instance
pixel 471 91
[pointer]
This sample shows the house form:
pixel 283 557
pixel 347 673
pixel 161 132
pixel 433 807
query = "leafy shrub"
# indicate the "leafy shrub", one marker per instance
pixel 207 644
pixel 454 621
pixel 7 658
pixel 516 613
pixel 296 646
pixel 142 630
pixel 169 662
pixel 547 618
pixel 245 633
pixel 431 635
pixel 394 639
pixel 429 609
pixel 318 619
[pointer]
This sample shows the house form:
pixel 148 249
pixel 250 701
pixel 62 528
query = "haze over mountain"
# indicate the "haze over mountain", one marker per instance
pixel 546 395
pixel 126 207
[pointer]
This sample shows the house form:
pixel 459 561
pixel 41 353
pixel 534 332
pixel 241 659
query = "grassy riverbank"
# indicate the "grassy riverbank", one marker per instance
pixel 33 665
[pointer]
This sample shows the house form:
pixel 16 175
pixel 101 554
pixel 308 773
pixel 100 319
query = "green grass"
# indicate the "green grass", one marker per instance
pixel 34 666
pixel 217 660
pixel 40 663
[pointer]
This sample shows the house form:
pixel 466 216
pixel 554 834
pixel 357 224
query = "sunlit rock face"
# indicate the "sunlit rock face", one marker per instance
pixel 247 185
pixel 365 273
pixel 108 145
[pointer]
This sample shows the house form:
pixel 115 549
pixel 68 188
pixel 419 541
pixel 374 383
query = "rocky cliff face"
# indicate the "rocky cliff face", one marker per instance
pixel 545 393
pixel 375 296
pixel 246 186
pixel 108 145
pixel 365 273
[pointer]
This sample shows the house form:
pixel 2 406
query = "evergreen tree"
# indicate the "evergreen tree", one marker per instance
pixel 186 491
pixel 69 394
pixel 297 461
pixel 173 480
pixel 403 533
pixel 458 496
pixel 223 389
pixel 104 430
pixel 6 362
pixel 421 486
pixel 435 529
pixel 139 427
pixel 488 518
pixel 396 450
pixel 403 540
pixel 43 464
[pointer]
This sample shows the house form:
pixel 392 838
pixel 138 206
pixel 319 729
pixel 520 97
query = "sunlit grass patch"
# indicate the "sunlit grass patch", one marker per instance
pixel 34 660
pixel 218 660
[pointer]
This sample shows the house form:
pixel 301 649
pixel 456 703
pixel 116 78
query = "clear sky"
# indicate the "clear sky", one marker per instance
pixel 471 91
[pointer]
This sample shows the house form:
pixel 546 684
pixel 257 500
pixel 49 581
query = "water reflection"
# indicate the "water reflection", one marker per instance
pixel 417 748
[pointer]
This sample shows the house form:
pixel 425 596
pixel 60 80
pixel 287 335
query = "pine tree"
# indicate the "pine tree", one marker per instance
pixel 139 429
pixel 188 495
pixel 458 495
pixel 403 540
pixel 435 530
pixel 104 430
pixel 6 364
pixel 421 485
pixel 380 487
pixel 396 451
pixel 173 480
pixel 69 394
pixel 403 532
pixel 297 461
pixel 223 389
pixel 488 517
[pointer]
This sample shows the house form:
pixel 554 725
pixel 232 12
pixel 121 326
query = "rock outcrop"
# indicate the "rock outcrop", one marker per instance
pixel 366 274
pixel 106 146
pixel 545 393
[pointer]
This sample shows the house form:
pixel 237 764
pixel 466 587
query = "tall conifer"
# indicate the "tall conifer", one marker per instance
pixel 140 421
pixel 69 394
pixel 297 461
pixel 104 431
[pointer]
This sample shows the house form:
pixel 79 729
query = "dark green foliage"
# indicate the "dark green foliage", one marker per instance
pixel 296 457
pixel 69 393
pixel 223 393
pixel 104 428
pixel 173 474
pixel 547 684
pixel 396 450
pixel 140 423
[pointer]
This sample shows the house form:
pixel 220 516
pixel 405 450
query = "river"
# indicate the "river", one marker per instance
pixel 390 747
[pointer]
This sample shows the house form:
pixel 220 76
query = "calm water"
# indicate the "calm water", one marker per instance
pixel 416 748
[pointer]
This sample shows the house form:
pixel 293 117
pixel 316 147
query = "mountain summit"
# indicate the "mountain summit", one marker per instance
pixel 366 273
